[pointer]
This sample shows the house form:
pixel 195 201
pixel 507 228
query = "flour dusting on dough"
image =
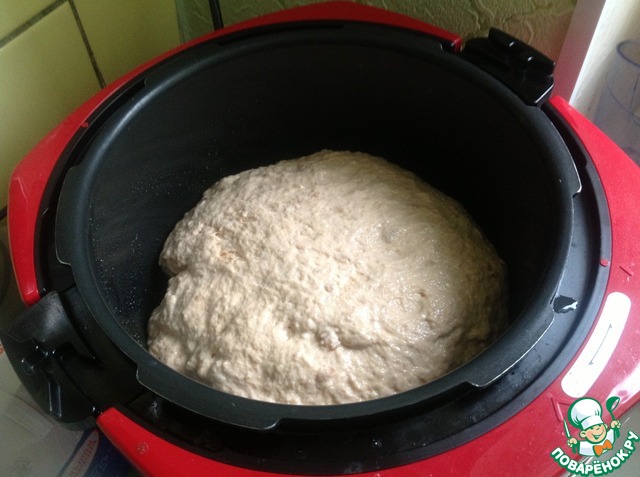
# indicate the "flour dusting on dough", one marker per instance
pixel 333 278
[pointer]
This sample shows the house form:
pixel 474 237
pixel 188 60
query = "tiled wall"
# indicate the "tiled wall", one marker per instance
pixel 55 54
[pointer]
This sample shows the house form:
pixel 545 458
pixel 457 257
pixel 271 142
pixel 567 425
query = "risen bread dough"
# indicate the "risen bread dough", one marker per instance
pixel 333 278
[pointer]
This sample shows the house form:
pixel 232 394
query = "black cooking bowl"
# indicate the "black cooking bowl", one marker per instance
pixel 249 100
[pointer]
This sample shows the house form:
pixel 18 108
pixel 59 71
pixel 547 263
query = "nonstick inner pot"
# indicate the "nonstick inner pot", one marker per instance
pixel 222 107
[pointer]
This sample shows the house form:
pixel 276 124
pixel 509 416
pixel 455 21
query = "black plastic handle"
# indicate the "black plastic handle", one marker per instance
pixel 521 68
pixel 37 342
pixel 63 374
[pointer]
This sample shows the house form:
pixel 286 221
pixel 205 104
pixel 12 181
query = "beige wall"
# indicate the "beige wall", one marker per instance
pixel 541 23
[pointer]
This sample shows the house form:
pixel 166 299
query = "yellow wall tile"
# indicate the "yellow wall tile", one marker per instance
pixel 124 34
pixel 13 13
pixel 45 73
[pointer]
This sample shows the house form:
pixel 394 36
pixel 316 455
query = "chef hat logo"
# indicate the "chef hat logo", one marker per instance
pixel 585 413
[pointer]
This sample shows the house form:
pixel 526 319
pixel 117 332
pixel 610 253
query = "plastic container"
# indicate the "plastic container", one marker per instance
pixel 618 113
